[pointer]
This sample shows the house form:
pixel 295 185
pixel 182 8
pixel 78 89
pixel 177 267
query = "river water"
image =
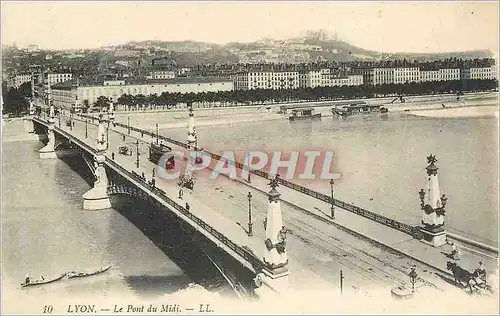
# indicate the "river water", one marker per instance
pixel 382 159
pixel 46 232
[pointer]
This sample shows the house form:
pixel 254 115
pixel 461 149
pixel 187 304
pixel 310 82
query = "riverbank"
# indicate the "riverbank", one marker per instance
pixel 264 106
pixel 465 111
pixel 229 116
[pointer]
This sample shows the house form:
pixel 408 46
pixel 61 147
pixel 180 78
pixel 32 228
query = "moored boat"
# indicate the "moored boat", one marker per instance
pixel 42 281
pixel 73 274
pixel 304 114
pixel 359 109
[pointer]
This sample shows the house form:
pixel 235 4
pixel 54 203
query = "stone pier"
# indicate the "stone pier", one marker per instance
pixel 97 198
pixel 49 152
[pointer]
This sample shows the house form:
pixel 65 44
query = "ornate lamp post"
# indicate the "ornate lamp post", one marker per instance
pixel 86 130
pixel 250 224
pixel 421 194
pixel 128 120
pixel 332 209
pixel 157 134
pixel 107 136
pixel 71 121
pixel 137 148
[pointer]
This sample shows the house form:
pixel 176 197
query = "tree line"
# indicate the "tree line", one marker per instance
pixel 261 96
pixel 15 100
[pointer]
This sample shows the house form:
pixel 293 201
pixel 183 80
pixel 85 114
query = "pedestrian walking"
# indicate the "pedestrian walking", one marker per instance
pixel 180 194
pixel 455 253
pixel 113 156
pixel 187 206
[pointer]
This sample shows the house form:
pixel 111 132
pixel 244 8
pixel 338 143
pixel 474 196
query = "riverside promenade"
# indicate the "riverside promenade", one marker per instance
pixel 381 257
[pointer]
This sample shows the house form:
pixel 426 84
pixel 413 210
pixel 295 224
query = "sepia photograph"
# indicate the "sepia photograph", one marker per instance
pixel 249 157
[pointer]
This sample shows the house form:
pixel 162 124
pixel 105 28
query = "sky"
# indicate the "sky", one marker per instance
pixel 381 26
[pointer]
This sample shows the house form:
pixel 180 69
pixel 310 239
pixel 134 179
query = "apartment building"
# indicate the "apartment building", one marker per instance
pixel 480 73
pixel 406 75
pixel 350 80
pixel 440 75
pixel 65 94
pixel 249 80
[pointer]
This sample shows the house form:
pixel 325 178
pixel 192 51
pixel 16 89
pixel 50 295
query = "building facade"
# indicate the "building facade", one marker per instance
pixel 19 79
pixel 162 74
pixel 266 80
pixel 440 75
pixel 406 75
pixel 67 94
pixel 315 78
pixel 480 73
pixel 382 76
pixel 350 80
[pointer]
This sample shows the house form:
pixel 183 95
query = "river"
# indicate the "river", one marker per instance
pixel 46 232
pixel 381 158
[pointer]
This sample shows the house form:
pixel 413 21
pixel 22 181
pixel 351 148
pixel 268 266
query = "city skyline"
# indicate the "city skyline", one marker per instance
pixel 411 27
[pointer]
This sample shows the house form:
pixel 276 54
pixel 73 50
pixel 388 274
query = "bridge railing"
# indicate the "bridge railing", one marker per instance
pixel 245 254
pixel 405 228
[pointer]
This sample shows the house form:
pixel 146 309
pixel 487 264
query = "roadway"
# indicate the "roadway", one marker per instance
pixel 317 250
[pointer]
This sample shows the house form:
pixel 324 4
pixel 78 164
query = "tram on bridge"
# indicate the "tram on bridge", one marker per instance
pixel 156 151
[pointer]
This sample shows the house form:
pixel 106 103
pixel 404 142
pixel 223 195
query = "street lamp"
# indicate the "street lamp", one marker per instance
pixel 107 136
pixel 137 148
pixel 421 195
pixel 128 120
pixel 86 130
pixel 250 224
pixel 413 276
pixel 157 134
pixel 332 209
pixel 71 122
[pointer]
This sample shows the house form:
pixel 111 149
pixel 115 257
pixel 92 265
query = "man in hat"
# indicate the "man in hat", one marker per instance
pixel 480 274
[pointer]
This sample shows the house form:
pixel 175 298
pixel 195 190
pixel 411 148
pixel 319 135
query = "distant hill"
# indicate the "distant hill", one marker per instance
pixel 313 47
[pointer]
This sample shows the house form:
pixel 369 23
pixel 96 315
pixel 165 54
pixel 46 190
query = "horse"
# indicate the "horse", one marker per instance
pixel 461 274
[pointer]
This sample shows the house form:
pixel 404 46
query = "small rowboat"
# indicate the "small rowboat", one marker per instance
pixel 72 275
pixel 40 282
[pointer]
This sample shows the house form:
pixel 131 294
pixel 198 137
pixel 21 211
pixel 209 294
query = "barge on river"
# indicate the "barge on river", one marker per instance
pixel 304 114
pixel 358 109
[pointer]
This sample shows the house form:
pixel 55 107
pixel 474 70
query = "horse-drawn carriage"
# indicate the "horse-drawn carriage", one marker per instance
pixel 125 150
pixel 185 182
pixel 474 281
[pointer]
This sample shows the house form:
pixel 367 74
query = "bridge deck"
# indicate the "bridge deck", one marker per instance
pixel 197 200
pixel 313 244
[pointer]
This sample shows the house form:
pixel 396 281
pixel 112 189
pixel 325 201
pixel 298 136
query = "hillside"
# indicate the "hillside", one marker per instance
pixel 313 47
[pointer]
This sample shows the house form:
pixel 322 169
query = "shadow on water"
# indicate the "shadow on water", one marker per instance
pixel 177 240
pixel 165 284
pixel 174 238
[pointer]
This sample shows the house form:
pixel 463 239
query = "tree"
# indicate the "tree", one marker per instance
pixel 102 102
pixel 86 106
pixel 14 102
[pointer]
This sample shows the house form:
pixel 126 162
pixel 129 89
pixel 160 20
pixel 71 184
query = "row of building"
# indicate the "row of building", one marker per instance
pixel 66 92
pixel 257 79
pixel 75 92
pixel 378 76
